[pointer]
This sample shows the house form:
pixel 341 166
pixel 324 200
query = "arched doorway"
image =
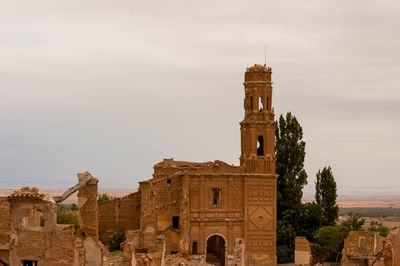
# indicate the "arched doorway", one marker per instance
pixel 215 250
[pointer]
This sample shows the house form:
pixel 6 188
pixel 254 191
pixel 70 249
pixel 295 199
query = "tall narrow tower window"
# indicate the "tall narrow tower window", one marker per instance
pixel 251 103
pixel 267 103
pixel 260 146
pixel 260 104
pixel 216 192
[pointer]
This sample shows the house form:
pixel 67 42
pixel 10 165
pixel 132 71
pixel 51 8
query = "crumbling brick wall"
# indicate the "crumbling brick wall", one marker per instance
pixel 108 219
pixel 89 250
pixel 4 229
pixel 29 232
pixel 129 212
pixel 362 243
pixel 362 248
pixel 394 245
pixel 119 215
pixel 87 207
pixel 34 239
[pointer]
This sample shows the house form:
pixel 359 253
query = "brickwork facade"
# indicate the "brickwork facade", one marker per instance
pixel 30 235
pixel 4 230
pixel 203 208
pixel 119 215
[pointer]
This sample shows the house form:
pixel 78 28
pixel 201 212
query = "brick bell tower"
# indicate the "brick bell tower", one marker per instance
pixel 258 126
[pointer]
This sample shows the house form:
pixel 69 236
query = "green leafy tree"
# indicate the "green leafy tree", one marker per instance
pixel 353 223
pixel 104 197
pixel 374 226
pixel 74 207
pixel 310 220
pixel 290 153
pixel 285 241
pixel 325 196
pixel 327 243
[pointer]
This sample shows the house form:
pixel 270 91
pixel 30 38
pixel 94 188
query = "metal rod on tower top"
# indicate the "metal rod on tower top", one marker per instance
pixel 265 53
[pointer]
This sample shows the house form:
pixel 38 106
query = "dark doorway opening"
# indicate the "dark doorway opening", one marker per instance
pixel 30 263
pixel 194 248
pixel 216 250
pixel 175 222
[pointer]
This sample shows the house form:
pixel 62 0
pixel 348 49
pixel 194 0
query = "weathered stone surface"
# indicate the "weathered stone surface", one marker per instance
pixel 119 215
pixel 49 244
pixel 87 207
pixel 4 229
pixel 29 229
pixel 363 248
pixel 90 250
pixel 392 255
pixel 302 252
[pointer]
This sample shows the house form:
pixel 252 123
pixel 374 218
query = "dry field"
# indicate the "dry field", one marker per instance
pixel 365 203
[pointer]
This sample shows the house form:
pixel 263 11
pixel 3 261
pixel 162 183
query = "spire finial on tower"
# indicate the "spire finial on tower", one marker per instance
pixel 265 53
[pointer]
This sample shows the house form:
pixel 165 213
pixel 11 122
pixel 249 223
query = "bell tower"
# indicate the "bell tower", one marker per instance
pixel 258 126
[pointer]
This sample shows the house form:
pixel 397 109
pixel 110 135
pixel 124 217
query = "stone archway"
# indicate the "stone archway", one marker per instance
pixel 216 248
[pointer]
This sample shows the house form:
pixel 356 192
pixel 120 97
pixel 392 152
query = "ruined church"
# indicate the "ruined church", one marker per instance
pixel 210 211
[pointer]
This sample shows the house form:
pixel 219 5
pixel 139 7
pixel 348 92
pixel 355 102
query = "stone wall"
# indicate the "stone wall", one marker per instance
pixel 90 251
pixel 362 248
pixel 302 251
pixel 394 244
pixel 34 234
pixel 4 229
pixel 108 219
pixel 119 215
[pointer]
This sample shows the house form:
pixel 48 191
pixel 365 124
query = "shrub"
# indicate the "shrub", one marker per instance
pixel 67 216
pixel 104 197
pixel 115 241
pixel 327 242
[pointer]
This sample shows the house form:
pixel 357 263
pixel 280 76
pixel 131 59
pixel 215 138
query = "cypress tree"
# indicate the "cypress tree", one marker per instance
pixel 290 153
pixel 325 196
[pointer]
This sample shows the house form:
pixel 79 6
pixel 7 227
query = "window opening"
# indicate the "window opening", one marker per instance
pixel 267 103
pixel 260 104
pixel 175 222
pixel 362 245
pixel 168 183
pixel 42 220
pixel 251 103
pixel 260 146
pixel 216 200
pixel 194 248
pixel 30 263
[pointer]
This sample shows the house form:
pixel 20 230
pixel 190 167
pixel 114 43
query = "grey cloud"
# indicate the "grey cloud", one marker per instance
pixel 115 86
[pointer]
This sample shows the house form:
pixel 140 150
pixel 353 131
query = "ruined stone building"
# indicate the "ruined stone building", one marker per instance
pixel 365 248
pixel 206 212
pixel 210 211
pixel 30 235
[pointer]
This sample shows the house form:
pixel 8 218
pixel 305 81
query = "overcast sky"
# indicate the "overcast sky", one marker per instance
pixel 113 87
